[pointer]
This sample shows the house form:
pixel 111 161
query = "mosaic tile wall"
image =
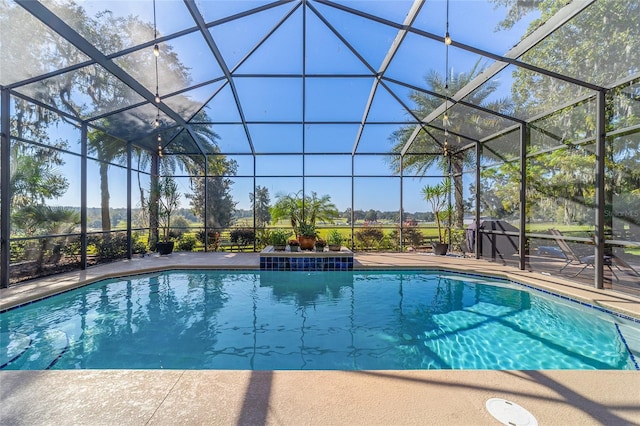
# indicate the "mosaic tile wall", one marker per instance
pixel 329 263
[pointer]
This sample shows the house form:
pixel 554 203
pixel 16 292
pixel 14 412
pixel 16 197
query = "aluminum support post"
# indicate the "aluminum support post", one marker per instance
pixel 83 196
pixel 600 204
pixel 478 194
pixel 129 235
pixel 5 194
pixel 524 144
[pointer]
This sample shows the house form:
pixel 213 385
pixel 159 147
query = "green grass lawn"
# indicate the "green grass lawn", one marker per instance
pixel 429 231
pixel 542 228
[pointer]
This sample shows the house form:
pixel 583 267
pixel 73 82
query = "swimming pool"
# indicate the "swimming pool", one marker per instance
pixel 265 320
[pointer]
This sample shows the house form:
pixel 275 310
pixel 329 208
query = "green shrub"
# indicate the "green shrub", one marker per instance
pixel 263 238
pixel 109 246
pixel 242 237
pixel 368 237
pixel 413 236
pixel 458 240
pixel 18 250
pixel 71 246
pixel 213 239
pixel 186 243
pixel 137 245
pixel 386 243
pixel 175 234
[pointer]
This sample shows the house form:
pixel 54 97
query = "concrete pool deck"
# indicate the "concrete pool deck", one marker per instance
pixel 450 397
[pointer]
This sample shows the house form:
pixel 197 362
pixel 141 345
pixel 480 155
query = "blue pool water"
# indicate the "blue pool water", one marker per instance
pixel 265 320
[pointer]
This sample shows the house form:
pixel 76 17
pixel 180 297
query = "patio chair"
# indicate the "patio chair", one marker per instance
pixel 572 258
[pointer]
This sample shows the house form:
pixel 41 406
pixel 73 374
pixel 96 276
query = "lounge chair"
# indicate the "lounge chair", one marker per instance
pixel 572 258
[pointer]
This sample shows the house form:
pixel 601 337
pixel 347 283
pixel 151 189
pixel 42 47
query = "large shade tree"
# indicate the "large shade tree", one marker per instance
pixel 260 202
pixel 106 150
pixel 91 90
pixel 220 205
pixel 602 46
pixel 34 176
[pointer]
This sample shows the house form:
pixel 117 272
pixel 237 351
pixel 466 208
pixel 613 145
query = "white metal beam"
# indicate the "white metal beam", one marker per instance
pixel 552 24
pixel 393 49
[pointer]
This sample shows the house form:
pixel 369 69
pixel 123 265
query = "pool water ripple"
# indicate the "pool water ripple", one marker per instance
pixel 319 320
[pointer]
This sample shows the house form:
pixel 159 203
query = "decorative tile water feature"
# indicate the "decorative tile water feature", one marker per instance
pixel 271 260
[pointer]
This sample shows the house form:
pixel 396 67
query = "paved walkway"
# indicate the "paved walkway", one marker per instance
pixel 140 397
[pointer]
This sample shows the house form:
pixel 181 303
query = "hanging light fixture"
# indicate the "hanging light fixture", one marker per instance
pixel 156 54
pixel 156 50
pixel 445 118
pixel 447 37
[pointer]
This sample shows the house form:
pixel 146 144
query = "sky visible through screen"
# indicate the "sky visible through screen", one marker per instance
pixel 280 100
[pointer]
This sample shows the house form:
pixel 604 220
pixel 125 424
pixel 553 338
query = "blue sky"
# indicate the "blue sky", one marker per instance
pixel 328 99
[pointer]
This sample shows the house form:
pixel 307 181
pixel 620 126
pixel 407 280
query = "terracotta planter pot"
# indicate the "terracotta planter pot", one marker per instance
pixel 306 243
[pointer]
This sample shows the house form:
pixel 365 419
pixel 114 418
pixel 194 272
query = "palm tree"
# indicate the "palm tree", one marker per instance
pixel 45 220
pixel 299 210
pixel 424 143
pixel 287 206
pixel 319 208
pixel 436 196
pixel 34 175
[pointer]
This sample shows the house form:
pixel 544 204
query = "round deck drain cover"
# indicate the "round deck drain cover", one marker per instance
pixel 510 413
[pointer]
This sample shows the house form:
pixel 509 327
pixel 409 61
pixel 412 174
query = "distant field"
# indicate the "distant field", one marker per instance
pixel 541 228
pixel 426 228
pixel 429 230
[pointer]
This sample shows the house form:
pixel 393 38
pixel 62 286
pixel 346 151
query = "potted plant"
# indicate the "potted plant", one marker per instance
pixel 436 196
pixel 278 239
pixel 320 244
pixel 307 235
pixel 301 210
pixel 335 240
pixel 294 245
pixel 168 201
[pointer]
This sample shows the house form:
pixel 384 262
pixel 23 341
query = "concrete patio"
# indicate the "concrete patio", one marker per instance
pixel 171 397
